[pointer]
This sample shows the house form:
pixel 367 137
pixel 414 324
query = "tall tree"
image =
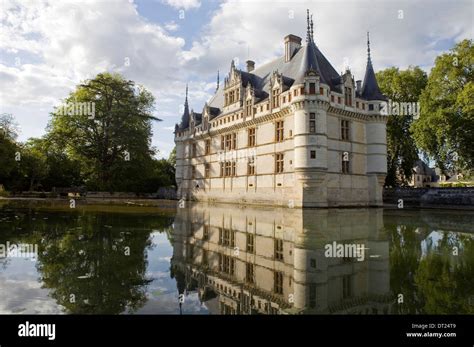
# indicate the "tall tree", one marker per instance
pixel 8 148
pixel 401 86
pixel 113 142
pixel 445 129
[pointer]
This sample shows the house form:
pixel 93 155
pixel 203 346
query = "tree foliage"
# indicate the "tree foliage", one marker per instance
pixel 445 129
pixel 114 144
pixel 401 86
pixel 8 147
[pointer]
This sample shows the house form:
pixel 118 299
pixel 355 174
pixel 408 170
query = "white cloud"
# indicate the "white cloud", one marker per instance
pixel 77 42
pixel 171 26
pixel 23 294
pixel 183 4
pixel 240 27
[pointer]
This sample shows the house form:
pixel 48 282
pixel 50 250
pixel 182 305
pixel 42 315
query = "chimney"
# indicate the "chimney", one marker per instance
pixel 292 44
pixel 359 85
pixel 250 65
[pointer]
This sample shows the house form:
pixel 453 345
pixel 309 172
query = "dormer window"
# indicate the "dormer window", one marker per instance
pixel 312 88
pixel 249 107
pixel 348 96
pixel 275 98
pixel 231 97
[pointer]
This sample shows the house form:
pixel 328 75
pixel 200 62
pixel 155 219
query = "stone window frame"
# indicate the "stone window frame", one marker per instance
pixel 312 122
pixel 279 162
pixel 279 130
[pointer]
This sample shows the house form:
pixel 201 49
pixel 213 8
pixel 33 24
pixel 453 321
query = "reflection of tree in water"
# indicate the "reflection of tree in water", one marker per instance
pixel 92 264
pixel 446 281
pixel 85 255
pixel 437 282
pixel 405 252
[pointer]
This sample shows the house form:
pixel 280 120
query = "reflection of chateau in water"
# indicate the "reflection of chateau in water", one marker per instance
pixel 238 260
pixel 273 261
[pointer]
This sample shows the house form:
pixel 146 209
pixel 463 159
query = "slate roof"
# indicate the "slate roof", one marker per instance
pixel 306 58
pixel 421 168
pixel 197 117
pixel 370 87
pixel 185 117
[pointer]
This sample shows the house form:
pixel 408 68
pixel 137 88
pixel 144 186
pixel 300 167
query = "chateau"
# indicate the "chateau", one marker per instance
pixel 292 132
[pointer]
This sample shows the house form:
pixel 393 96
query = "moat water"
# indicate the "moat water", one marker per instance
pixel 222 259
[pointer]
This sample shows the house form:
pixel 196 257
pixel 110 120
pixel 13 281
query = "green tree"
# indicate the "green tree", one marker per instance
pixel 61 169
pixel 113 144
pixel 7 159
pixel 445 129
pixel 401 86
pixel 32 167
pixel 8 148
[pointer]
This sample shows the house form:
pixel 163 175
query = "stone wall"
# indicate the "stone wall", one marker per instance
pixel 162 193
pixel 462 197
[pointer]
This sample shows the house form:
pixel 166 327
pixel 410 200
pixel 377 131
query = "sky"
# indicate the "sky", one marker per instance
pixel 48 47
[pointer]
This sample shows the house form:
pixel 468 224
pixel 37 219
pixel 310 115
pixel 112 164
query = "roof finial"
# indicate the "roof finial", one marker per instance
pixel 368 47
pixel 312 38
pixel 217 80
pixel 186 99
pixel 308 31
